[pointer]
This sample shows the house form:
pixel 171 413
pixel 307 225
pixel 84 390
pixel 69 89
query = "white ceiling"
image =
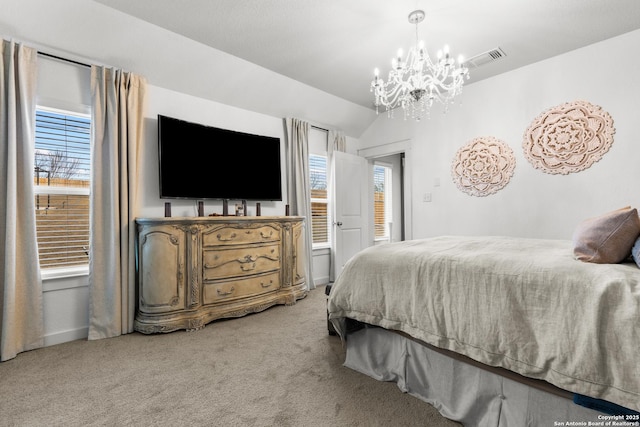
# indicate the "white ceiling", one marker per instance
pixel 334 45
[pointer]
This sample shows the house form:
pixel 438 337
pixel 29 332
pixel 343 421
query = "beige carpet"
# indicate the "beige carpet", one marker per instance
pixel 275 368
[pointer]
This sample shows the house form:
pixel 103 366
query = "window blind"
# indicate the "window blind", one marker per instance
pixel 319 210
pixel 62 171
pixel 379 201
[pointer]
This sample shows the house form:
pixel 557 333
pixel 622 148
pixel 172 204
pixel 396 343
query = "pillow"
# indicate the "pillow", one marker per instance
pixel 635 251
pixel 607 239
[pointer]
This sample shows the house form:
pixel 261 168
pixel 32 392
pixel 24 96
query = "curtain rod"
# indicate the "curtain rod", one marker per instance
pixel 63 59
pixel 319 128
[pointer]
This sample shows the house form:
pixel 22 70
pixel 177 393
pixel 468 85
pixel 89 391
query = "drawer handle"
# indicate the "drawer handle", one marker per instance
pixel 223 239
pixel 250 260
pixel 225 294
pixel 245 267
pixel 266 285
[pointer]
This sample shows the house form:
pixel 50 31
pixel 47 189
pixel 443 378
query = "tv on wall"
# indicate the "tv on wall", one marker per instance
pixel 205 162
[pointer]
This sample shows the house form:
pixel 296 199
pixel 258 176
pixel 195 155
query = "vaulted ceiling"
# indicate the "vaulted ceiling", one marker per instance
pixel 334 45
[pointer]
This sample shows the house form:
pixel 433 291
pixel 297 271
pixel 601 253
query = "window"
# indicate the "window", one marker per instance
pixel 382 206
pixel 319 201
pixel 61 180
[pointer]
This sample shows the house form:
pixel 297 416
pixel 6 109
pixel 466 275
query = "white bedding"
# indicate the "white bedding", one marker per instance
pixel 523 304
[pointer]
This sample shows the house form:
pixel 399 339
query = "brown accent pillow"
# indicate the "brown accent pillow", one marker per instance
pixel 607 239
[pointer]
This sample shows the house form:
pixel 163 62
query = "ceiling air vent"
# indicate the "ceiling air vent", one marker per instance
pixel 486 57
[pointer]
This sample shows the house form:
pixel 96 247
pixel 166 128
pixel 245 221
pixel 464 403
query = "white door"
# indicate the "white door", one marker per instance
pixel 351 207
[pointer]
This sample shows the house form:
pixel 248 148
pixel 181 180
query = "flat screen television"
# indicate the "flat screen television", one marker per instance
pixel 204 162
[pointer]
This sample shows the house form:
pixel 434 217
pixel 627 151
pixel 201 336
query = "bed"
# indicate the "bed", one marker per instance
pixel 495 330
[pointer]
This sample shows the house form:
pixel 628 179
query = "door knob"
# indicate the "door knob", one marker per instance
pixel 339 223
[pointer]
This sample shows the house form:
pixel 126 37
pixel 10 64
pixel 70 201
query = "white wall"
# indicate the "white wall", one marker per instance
pixel 89 31
pixel 533 204
pixel 198 110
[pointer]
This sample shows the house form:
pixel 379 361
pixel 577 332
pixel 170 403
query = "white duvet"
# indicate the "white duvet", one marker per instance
pixel 523 304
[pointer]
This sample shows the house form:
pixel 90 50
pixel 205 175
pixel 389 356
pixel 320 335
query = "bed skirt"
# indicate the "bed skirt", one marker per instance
pixel 461 391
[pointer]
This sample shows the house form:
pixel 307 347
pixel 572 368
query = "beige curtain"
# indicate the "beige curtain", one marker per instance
pixel 117 121
pixel 21 314
pixel 298 187
pixel 336 142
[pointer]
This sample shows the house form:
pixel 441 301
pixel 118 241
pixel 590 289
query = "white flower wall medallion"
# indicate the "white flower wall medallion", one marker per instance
pixel 568 138
pixel 483 166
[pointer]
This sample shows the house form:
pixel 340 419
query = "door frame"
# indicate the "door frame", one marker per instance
pixel 388 149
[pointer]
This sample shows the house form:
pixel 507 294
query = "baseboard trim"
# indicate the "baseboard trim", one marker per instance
pixel 66 336
pixel 319 281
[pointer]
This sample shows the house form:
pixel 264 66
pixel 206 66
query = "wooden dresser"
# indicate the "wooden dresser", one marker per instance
pixel 191 271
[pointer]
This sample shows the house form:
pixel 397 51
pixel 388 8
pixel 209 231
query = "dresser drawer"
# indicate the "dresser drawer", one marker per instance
pixel 236 235
pixel 240 288
pixel 244 261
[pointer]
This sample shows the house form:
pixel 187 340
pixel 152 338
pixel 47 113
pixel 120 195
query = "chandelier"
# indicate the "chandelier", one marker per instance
pixel 415 82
